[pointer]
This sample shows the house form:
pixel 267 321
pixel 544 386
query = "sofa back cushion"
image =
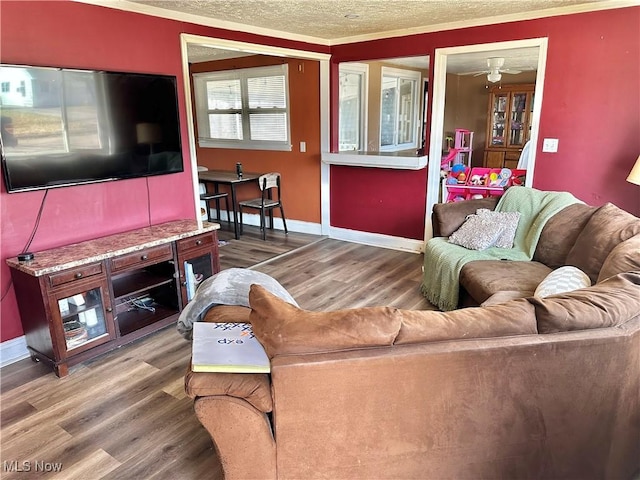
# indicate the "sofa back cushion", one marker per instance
pixel 609 303
pixel 560 233
pixel 283 328
pixel 516 317
pixel 448 217
pixel 625 257
pixel 606 228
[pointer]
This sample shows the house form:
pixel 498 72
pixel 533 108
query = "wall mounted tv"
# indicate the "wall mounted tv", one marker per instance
pixel 65 127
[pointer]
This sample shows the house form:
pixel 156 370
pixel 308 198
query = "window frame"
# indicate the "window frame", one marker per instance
pixel 361 69
pixel 243 74
pixel 415 77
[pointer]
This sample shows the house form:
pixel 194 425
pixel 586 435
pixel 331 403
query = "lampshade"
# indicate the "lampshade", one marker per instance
pixel 494 77
pixel 634 176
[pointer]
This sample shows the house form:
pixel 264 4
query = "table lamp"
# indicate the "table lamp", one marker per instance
pixel 634 176
pixel 148 134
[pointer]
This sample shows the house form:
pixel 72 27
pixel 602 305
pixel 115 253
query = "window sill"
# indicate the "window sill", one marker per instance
pixel 399 161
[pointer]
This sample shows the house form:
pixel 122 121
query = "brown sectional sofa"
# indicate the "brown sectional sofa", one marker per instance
pixel 474 393
pixel 579 235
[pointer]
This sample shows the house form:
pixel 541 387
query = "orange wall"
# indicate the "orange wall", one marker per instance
pixel 300 171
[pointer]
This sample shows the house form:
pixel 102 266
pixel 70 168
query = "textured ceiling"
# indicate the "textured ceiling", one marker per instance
pixel 326 22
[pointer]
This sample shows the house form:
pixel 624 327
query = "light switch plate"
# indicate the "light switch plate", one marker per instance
pixel 550 145
pixel 303 147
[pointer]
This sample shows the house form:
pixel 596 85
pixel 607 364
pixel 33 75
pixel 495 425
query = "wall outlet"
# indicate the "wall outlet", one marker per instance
pixel 303 147
pixel 550 145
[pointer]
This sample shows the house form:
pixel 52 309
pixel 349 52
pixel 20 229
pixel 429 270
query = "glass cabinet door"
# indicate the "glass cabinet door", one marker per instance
pixel 518 120
pixel 498 119
pixel 84 319
pixel 197 269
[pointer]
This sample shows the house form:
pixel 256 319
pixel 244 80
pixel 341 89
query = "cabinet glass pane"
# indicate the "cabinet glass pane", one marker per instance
pixel 498 120
pixel 82 317
pixel 518 119
pixel 196 270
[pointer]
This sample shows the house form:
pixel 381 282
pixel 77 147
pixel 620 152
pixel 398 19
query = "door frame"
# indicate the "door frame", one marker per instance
pixel 437 111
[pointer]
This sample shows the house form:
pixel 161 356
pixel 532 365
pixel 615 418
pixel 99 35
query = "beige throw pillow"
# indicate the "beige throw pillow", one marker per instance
pixel 478 232
pixel 564 279
pixel 509 222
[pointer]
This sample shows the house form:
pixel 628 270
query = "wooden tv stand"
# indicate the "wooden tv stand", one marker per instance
pixel 79 301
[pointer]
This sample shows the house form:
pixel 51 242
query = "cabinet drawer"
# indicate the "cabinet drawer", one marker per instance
pixel 73 274
pixel 142 257
pixel 198 241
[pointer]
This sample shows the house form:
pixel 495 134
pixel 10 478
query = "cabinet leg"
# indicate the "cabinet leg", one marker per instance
pixel 61 370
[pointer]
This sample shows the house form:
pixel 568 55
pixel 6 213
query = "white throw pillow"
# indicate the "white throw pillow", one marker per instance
pixel 509 220
pixel 561 280
pixel 477 233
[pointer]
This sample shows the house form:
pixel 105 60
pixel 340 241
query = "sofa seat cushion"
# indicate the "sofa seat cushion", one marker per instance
pixel 607 227
pixel 255 388
pixel 482 278
pixel 516 317
pixel 283 328
pixel 625 257
pixel 609 303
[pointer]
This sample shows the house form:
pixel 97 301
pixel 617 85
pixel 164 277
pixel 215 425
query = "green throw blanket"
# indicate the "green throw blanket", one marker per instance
pixel 443 261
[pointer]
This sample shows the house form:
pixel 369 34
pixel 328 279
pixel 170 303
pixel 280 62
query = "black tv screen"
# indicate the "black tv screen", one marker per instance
pixel 65 127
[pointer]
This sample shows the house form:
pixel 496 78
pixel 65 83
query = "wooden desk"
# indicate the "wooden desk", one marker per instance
pixel 224 177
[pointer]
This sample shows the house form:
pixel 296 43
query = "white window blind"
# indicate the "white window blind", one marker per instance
pixel 245 108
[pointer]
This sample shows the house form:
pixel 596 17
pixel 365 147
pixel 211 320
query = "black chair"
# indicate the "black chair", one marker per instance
pixel 207 198
pixel 266 203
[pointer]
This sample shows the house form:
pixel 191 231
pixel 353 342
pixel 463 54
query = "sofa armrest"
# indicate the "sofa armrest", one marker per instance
pixel 242 436
pixel 447 217
pixel 255 388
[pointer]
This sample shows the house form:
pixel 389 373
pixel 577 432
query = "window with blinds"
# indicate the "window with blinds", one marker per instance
pixel 245 108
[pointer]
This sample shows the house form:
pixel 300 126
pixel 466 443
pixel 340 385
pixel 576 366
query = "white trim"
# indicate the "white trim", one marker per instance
pixel 377 240
pixel 325 170
pixel 253 219
pixel 241 27
pixel 13 350
pixel 322 58
pixel 437 109
pixel 375 160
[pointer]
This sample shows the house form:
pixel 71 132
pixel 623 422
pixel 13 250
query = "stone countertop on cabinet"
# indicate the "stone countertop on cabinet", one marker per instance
pixel 89 251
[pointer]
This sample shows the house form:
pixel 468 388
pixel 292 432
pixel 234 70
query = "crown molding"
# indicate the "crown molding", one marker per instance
pixel 240 27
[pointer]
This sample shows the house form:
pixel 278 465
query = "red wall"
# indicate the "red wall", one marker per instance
pixel 69 34
pixel 591 104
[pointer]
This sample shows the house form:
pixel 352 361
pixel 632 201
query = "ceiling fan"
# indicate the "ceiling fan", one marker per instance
pixel 495 70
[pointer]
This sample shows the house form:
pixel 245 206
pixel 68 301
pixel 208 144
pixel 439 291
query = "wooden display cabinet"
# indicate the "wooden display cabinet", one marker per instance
pixel 508 124
pixel 82 300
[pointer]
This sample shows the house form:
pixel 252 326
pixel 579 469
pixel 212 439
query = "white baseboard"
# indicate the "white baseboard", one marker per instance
pixel 377 240
pixel 298 226
pixel 13 350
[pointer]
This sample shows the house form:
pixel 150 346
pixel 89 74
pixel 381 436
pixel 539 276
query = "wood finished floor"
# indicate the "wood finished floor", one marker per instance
pixel 125 415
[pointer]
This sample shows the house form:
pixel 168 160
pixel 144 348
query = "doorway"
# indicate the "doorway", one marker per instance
pixel 447 59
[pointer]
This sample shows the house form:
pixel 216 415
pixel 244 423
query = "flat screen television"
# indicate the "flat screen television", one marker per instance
pixel 64 127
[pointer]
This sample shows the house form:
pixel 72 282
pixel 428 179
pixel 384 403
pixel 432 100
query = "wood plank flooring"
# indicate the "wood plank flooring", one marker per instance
pixel 125 415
